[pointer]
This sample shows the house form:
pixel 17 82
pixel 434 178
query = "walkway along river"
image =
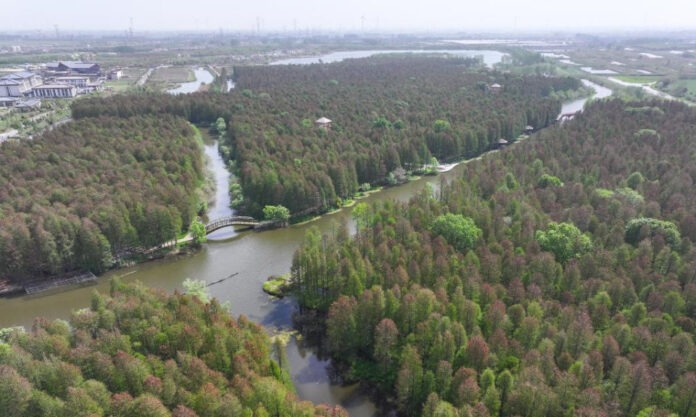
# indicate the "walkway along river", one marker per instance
pixel 247 258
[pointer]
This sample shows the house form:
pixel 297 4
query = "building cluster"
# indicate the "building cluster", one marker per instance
pixel 64 79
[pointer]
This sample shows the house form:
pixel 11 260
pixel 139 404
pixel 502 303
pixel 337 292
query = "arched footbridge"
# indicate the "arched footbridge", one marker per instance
pixel 231 221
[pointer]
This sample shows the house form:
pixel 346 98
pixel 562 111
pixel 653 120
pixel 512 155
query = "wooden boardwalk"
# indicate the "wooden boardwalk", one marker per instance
pixel 45 285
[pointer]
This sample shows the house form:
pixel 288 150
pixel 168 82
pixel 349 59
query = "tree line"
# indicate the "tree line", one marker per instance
pixel 84 193
pixel 144 353
pixel 504 295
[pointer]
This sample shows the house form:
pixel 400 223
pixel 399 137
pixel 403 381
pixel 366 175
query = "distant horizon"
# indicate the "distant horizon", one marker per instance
pixel 356 16
pixel 494 34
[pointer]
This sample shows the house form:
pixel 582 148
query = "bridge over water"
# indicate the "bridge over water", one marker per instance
pixel 228 221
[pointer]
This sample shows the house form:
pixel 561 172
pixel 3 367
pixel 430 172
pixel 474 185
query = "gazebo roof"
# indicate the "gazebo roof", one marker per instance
pixel 323 121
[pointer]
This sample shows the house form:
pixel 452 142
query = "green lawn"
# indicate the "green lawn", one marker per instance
pixel 119 86
pixel 683 88
pixel 173 75
pixel 638 79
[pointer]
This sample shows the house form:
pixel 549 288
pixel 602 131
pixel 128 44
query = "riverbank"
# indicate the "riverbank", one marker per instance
pixel 202 76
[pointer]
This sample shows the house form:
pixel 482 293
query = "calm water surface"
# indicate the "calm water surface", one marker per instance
pixel 202 76
pixel 489 57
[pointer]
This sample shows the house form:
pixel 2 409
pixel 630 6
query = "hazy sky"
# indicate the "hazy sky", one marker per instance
pixel 354 15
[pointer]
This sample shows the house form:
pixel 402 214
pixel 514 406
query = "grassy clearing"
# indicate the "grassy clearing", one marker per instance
pixel 685 89
pixel 173 75
pixel 119 86
pixel 638 79
pixel 127 82
pixel 166 78
pixel 690 85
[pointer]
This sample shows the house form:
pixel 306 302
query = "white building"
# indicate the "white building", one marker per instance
pixel 18 84
pixel 116 74
pixel 77 81
pixel 8 101
pixel 55 91
pixel 10 88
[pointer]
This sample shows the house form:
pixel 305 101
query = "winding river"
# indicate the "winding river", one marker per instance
pixel 247 258
pixel 202 76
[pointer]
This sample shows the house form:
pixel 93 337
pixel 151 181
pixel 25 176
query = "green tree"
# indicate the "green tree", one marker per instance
pixel 547 180
pixel 685 395
pixel 564 240
pixel 220 126
pixel 148 406
pixel 362 214
pixel 441 125
pixel 409 382
pixel 645 227
pixel 197 288
pixel 276 213
pixel 459 231
pixel 15 392
pixel 635 180
pixel 197 232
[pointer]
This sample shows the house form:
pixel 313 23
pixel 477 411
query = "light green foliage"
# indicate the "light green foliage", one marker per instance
pixel 277 285
pixel 220 126
pixel 197 231
pixel 440 125
pixel 362 214
pixel 510 182
pixel 276 213
pixel 381 122
pixel 634 197
pixel 197 288
pixel 7 332
pixel 644 227
pixel 630 194
pixel 645 110
pixel 647 134
pixel 604 193
pixel 459 231
pixel 547 180
pixel 236 194
pixel 564 240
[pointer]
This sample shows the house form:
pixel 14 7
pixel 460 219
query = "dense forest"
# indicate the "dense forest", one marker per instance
pixel 83 193
pixel 143 353
pixel 390 115
pixel 554 278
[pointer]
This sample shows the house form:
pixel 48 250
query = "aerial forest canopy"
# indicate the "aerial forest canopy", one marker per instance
pixel 388 113
pixel 80 194
pixel 578 298
pixel 143 353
